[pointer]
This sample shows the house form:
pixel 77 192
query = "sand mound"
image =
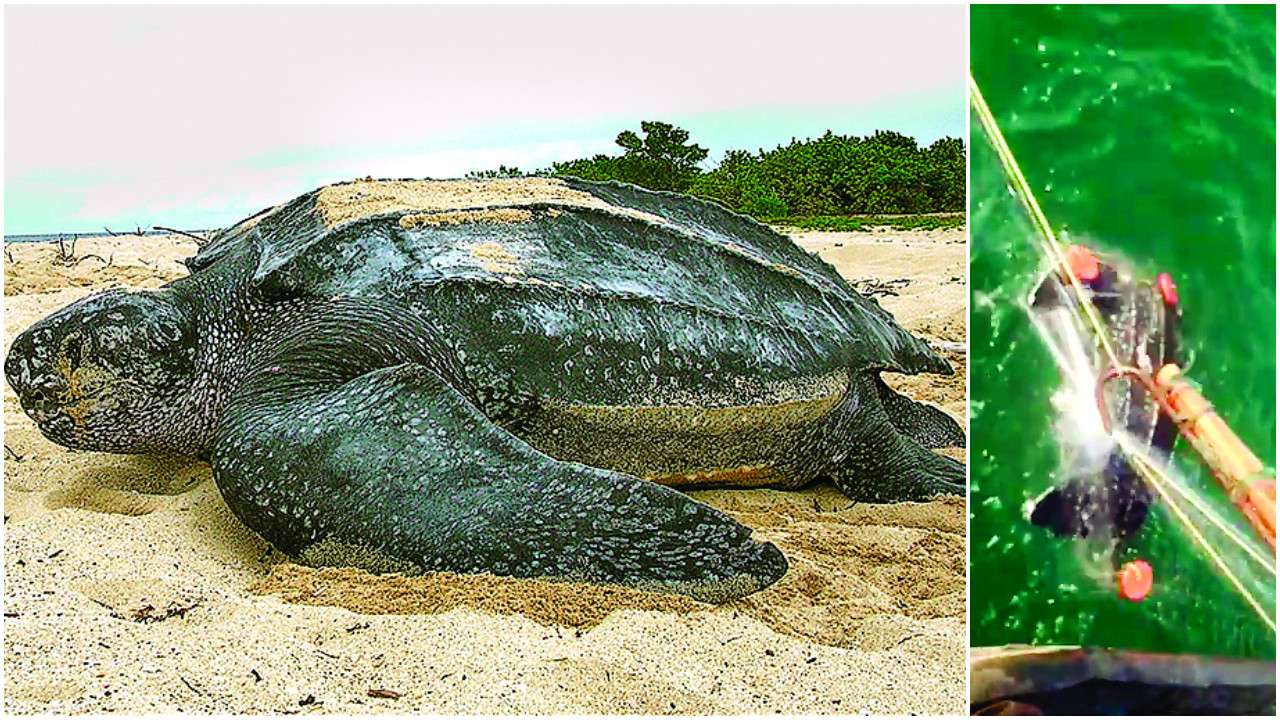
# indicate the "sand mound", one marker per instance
pixel 432 202
pixel 855 565
pixel 850 565
pixel 559 603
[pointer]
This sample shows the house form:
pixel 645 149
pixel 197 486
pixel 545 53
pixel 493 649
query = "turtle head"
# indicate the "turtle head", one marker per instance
pixel 108 373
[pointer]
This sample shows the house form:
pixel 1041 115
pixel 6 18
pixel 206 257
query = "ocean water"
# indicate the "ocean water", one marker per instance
pixel 53 237
pixel 1148 131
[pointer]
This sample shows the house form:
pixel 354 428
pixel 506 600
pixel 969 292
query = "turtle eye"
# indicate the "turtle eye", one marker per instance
pixel 161 334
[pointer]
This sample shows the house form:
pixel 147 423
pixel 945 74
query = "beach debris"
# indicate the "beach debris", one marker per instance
pixel 142 611
pixel 149 614
pixel 12 454
pixel 139 232
pixel 383 693
pixel 66 254
pixel 875 287
pixel 904 640
pixel 201 240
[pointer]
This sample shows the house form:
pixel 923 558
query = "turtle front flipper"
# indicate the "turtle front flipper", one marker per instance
pixel 926 424
pixel 885 465
pixel 396 471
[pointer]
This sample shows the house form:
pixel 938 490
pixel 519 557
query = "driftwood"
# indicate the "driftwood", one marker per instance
pixel 67 253
pixel 873 287
pixel 137 231
pixel 201 240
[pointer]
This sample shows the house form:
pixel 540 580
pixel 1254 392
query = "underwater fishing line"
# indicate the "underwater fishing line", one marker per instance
pixel 1051 246
pixel 1216 521
pixel 1048 240
pixel 1150 472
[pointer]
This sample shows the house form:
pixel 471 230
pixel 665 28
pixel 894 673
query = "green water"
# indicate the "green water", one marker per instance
pixel 1149 131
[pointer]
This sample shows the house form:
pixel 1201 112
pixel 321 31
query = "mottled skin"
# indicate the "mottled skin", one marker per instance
pixel 1114 503
pixel 514 397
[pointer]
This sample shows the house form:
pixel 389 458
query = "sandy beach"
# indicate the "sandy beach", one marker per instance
pixel 130 587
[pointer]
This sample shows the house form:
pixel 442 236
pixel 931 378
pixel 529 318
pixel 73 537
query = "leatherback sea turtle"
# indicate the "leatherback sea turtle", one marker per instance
pixel 504 376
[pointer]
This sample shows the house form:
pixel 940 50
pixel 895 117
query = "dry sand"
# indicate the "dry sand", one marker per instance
pixel 129 587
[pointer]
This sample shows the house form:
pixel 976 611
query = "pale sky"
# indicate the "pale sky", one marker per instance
pixel 197 116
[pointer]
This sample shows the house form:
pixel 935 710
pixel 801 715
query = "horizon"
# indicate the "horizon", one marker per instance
pixel 203 140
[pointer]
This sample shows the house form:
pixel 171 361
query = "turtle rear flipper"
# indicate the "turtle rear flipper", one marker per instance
pixel 885 465
pixel 926 424
pixel 396 471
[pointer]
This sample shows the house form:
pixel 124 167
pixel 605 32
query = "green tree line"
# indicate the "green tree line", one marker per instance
pixel 833 175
